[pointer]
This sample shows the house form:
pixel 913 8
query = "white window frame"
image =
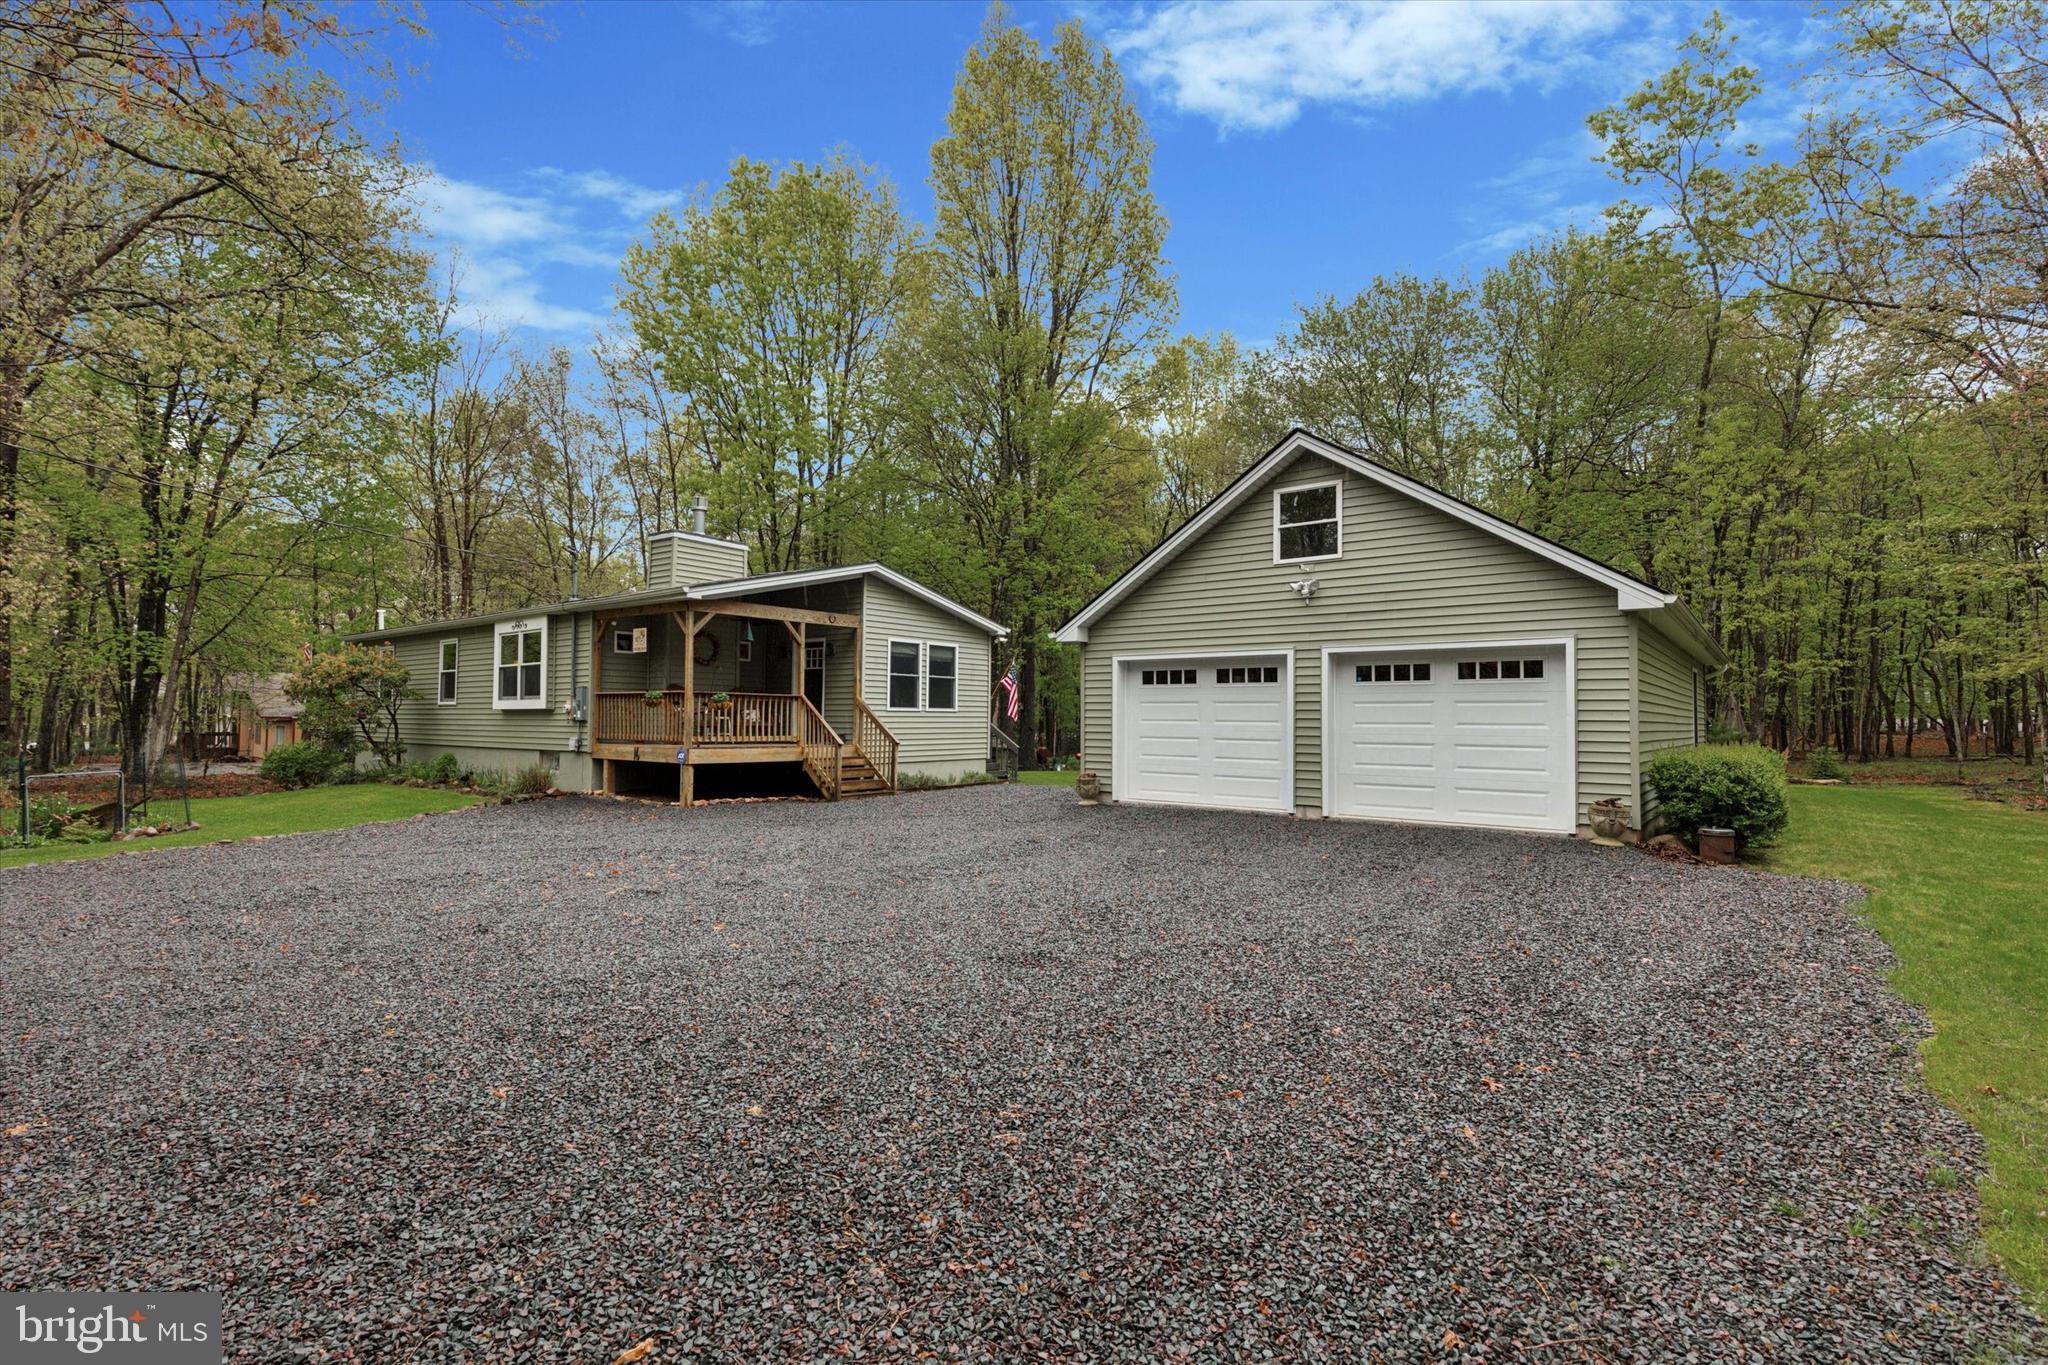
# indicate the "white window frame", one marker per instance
pixel 889 676
pixel 926 673
pixel 522 626
pixel 442 671
pixel 627 632
pixel 1278 493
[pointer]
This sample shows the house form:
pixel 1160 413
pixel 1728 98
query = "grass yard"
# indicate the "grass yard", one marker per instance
pixel 238 817
pixel 1959 889
pixel 1049 779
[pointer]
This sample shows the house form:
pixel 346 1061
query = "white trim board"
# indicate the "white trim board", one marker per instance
pixel 1119 739
pixel 1570 645
pixel 1630 594
pixel 804 578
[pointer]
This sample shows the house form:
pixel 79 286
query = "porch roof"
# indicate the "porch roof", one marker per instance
pixel 656 597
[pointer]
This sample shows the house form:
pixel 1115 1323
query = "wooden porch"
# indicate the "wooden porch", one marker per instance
pixel 688 727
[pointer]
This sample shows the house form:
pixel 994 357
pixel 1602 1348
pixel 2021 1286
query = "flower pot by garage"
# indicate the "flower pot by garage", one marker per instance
pixel 1088 787
pixel 1609 819
pixel 1717 845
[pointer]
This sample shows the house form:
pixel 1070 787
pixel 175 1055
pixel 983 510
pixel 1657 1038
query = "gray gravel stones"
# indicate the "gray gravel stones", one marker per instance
pixel 980 1074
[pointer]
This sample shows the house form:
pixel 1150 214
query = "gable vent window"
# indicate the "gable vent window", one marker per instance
pixel 1308 523
pixel 1268 674
pixel 1166 677
pixel 1408 672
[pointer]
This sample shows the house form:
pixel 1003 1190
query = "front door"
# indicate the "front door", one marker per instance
pixel 814 673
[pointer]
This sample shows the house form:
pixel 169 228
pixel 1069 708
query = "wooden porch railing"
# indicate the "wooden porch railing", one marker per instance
pixel 873 740
pixel 822 748
pixel 747 718
pixel 744 718
pixel 632 718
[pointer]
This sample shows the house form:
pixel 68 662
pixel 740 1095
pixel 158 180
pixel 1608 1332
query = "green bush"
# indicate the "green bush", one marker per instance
pixel 535 779
pixel 303 764
pixel 447 769
pixel 1827 765
pixel 1731 786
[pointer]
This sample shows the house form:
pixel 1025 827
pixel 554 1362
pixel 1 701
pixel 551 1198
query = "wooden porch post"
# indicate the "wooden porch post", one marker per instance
pixel 797 662
pixel 688 779
pixel 857 662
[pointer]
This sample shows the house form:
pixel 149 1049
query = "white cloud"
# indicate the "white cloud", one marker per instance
pixel 1255 65
pixel 479 215
pixel 750 23
pixel 633 200
pixel 494 239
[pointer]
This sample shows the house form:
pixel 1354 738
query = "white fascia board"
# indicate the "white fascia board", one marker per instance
pixel 804 578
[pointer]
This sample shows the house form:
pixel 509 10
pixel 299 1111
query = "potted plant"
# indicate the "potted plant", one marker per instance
pixel 721 699
pixel 654 696
pixel 1088 787
pixel 1609 819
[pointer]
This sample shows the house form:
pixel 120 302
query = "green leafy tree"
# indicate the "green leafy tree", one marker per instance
pixel 766 310
pixel 1017 393
pixel 353 698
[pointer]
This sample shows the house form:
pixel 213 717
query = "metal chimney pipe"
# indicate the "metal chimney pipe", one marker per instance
pixel 698 507
pixel 380 618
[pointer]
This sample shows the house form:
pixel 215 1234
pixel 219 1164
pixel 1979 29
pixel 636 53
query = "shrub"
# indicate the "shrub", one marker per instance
pixel 303 764
pixel 1721 733
pixel 535 779
pixel 1732 786
pixel 445 769
pixel 1827 765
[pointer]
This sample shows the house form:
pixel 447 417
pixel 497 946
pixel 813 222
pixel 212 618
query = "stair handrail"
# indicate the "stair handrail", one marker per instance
pixel 818 740
pixel 875 741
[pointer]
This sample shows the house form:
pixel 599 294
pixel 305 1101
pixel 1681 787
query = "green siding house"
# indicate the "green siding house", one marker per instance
pixel 1331 638
pixel 851 677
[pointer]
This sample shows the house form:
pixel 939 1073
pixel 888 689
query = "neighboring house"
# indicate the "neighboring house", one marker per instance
pixel 266 718
pixel 853 675
pixel 1330 638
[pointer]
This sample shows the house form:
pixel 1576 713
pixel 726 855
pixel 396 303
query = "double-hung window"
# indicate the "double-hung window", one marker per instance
pixel 906 659
pixel 1308 523
pixel 446 694
pixel 941 677
pixel 923 676
pixel 521 676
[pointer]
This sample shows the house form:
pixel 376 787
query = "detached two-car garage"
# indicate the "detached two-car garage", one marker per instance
pixel 1329 637
pixel 1467 735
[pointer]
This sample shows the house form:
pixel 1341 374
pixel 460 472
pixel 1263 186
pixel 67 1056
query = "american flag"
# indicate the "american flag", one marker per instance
pixel 1012 699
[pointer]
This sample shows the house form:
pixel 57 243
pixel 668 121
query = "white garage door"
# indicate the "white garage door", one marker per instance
pixel 1461 736
pixel 1205 731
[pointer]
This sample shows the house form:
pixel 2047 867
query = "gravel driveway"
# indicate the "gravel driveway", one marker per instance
pixel 983 1074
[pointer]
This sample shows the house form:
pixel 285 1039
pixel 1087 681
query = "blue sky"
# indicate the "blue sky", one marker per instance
pixel 1302 148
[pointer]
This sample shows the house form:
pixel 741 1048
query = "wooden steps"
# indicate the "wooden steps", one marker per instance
pixel 858 777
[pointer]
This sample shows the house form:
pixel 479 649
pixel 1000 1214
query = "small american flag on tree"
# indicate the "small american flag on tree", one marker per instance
pixel 1012 702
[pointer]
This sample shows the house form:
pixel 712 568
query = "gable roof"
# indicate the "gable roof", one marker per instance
pixel 1631 593
pixel 731 587
pixel 804 578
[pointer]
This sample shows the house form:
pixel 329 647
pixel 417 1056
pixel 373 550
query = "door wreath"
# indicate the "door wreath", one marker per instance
pixel 707 648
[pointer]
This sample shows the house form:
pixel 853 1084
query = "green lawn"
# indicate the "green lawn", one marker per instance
pixel 1959 889
pixel 1050 779
pixel 238 817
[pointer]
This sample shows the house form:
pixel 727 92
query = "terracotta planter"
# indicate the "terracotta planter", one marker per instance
pixel 1717 845
pixel 1609 820
pixel 1088 787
